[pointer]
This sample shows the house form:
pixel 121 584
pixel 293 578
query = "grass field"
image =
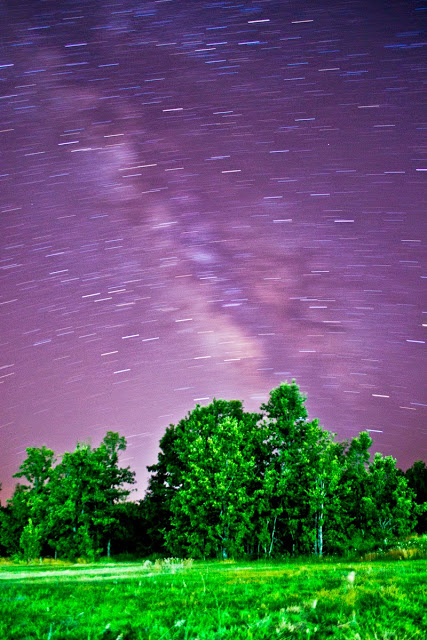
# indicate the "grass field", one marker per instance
pixel 211 601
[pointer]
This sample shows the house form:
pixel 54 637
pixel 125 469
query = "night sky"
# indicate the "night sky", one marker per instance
pixel 205 199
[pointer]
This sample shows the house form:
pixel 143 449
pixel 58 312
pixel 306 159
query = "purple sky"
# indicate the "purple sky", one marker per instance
pixel 204 199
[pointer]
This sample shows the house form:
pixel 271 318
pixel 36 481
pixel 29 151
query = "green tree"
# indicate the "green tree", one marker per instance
pixel 292 472
pixel 169 473
pixel 86 489
pixel 350 531
pixel 71 498
pixel 29 500
pixel 280 497
pixel 161 489
pixel 388 507
pixel 417 481
pixel 211 511
pixel 324 478
pixel 112 487
pixel 13 518
pixel 129 535
pixel 3 529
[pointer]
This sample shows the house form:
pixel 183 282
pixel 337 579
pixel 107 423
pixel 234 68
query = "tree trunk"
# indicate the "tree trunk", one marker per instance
pixel 320 537
pixel 224 539
pixel 318 540
pixel 316 534
pixel 108 548
pixel 272 537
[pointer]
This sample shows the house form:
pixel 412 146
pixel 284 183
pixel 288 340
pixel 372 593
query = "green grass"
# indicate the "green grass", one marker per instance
pixel 212 601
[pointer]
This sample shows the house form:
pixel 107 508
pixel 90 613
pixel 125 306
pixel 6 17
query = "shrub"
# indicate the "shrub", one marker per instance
pixel 30 542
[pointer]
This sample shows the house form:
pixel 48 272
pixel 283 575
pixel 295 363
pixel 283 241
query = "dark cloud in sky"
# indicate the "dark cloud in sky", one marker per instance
pixel 205 199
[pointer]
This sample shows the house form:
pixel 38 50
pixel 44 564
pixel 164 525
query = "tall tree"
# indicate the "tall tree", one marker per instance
pixel 293 447
pixel 417 481
pixel 112 487
pixel 13 518
pixel 88 485
pixel 350 531
pixel 172 468
pixel 161 489
pixel 211 511
pixel 30 500
pixel 324 476
pixel 388 507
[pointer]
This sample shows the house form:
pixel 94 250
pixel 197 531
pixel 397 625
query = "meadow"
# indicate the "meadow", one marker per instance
pixel 182 600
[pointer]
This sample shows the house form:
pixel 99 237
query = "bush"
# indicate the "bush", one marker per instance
pixel 30 542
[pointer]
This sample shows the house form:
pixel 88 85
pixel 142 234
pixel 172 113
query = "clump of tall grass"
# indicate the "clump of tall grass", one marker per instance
pixel 395 554
pixel 172 564
pixel 6 562
pixel 412 548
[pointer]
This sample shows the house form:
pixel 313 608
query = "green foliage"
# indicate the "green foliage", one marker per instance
pixel 29 501
pixel 227 484
pixel 30 541
pixel 89 484
pixel 271 484
pixel 71 508
pixel 286 405
pixel 305 464
pixel 417 481
pixel 157 501
pixel 388 507
pixel 37 468
pixel 12 523
pixel 212 509
pixel 180 463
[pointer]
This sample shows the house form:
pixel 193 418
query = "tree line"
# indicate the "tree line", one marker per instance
pixel 227 483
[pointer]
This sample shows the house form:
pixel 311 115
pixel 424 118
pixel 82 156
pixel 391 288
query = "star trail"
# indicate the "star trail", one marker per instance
pixel 204 199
